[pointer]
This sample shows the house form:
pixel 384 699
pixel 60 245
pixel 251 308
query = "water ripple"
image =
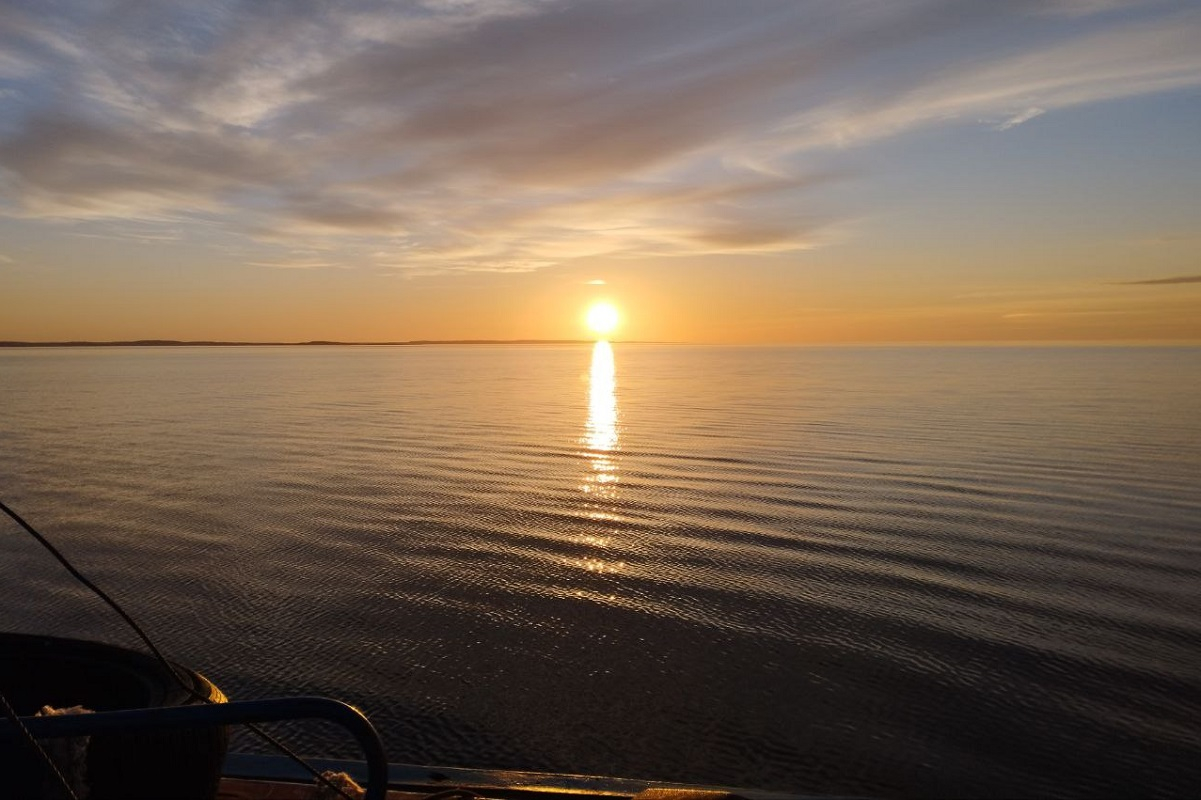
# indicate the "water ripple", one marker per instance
pixel 945 572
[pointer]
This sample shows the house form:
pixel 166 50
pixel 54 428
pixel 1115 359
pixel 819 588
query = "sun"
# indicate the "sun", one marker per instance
pixel 602 318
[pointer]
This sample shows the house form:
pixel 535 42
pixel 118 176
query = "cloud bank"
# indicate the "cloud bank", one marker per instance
pixel 517 134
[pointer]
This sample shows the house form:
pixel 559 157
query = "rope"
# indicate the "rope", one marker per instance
pixel 271 740
pixel 42 754
pixel 446 794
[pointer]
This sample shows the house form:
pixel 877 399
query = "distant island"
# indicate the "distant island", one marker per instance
pixel 177 343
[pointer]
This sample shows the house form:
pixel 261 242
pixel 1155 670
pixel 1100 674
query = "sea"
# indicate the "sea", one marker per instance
pixel 879 571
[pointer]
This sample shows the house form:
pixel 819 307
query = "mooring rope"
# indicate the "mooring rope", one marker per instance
pixel 47 761
pixel 262 734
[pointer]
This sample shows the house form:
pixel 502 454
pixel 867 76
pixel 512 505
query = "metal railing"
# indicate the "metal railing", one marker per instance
pixel 199 716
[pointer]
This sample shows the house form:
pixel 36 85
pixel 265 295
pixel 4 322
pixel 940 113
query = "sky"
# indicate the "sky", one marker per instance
pixel 760 171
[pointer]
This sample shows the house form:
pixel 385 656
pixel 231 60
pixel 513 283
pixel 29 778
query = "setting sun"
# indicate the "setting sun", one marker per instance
pixel 602 318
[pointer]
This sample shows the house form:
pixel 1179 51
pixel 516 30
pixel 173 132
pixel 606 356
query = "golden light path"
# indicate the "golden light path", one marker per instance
pixel 601 439
pixel 602 400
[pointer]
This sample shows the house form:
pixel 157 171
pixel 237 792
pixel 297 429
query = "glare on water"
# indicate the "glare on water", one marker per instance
pixel 601 439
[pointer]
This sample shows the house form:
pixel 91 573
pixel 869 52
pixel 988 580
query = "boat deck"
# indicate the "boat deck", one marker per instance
pixel 243 789
pixel 246 789
pixel 266 777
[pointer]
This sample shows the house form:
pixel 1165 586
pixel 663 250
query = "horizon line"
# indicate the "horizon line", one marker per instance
pixel 427 342
pixel 313 342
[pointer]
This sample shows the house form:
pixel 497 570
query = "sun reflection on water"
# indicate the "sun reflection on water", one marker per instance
pixel 600 485
pixel 601 430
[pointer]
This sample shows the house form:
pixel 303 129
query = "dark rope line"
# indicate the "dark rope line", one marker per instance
pixel 47 761
pixel 446 794
pixel 274 742
pixel 95 589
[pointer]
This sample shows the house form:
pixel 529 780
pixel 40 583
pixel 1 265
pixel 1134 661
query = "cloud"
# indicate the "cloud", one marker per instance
pixel 1020 117
pixel 68 166
pixel 345 215
pixel 144 234
pixel 297 263
pixel 754 236
pixel 1087 312
pixel 1156 55
pixel 516 134
pixel 1164 281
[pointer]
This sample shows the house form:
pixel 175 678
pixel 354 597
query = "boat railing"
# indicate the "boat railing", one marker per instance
pixel 234 713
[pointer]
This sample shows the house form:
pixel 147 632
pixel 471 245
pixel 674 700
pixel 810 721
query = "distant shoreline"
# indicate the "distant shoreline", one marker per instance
pixel 424 342
pixel 177 343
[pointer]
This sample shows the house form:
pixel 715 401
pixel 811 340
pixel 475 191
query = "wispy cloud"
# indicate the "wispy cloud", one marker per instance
pixel 1087 312
pixel 516 134
pixel 1163 281
pixel 298 262
pixel 1020 117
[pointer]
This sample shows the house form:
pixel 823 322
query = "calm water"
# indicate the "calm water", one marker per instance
pixel 942 571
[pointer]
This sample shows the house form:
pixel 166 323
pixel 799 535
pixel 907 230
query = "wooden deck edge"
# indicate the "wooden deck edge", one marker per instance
pixel 246 789
pixel 414 781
